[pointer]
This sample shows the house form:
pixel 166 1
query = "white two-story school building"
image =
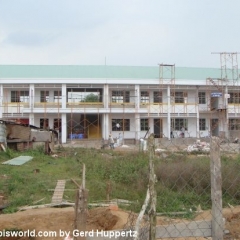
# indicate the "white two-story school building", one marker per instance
pixel 91 102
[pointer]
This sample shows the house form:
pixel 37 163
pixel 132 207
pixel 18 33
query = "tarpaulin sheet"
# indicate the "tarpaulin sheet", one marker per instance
pixel 18 160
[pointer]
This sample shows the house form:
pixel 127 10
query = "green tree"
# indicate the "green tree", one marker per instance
pixel 91 98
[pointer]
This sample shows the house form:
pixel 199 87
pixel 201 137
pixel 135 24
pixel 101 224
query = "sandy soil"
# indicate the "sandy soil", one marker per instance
pixel 55 219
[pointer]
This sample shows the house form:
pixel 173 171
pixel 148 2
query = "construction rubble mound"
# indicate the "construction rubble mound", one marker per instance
pixel 198 146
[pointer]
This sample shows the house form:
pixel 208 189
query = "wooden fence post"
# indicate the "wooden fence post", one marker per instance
pixel 80 222
pixel 216 190
pixel 152 181
pixel 140 216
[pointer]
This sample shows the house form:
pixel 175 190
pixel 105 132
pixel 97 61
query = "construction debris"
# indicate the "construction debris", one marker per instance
pixel 38 201
pixel 236 140
pixel 199 209
pixel 18 160
pixel 46 206
pixel 198 146
pixel 160 150
pixel 3 148
pixel 22 137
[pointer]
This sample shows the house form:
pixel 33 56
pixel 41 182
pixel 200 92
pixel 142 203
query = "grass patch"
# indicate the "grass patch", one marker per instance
pixel 183 182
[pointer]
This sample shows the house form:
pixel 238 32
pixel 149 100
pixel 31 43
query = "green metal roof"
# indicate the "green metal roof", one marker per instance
pixel 104 72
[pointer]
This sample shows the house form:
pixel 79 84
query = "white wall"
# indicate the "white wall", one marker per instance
pixel 127 134
pixel 134 130
pixel 192 96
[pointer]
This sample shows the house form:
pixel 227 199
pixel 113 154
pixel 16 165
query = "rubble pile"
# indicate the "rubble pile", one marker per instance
pixel 198 146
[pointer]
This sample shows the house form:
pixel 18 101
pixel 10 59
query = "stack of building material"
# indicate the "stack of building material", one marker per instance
pixel 198 146
pixel 24 136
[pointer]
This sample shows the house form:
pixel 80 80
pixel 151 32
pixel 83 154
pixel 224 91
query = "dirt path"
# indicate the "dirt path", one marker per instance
pixel 55 219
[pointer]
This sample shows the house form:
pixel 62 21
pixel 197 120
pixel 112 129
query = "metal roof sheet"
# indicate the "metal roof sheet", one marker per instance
pixel 102 72
pixel 18 160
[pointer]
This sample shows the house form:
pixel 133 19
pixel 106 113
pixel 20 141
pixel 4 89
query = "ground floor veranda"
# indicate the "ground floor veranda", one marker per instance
pixel 129 126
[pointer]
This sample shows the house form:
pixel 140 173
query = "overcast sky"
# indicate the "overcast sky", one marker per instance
pixel 118 32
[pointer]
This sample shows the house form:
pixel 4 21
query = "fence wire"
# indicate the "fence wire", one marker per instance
pixel 192 200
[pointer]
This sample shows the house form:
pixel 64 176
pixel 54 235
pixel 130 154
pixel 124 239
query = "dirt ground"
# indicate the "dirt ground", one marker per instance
pixel 55 219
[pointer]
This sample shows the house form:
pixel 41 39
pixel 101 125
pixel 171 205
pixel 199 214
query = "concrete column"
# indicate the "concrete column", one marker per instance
pixel 64 127
pixel 50 122
pixel 103 125
pixel 151 125
pixel 137 96
pixel 1 100
pixel 106 95
pixel 31 119
pixel 138 127
pixel 51 96
pixel 197 110
pixel 64 96
pixel 169 112
pixel 227 117
pixel 197 123
pixel 31 96
pixel 107 125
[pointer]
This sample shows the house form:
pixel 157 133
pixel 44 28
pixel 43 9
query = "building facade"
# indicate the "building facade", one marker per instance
pixel 91 102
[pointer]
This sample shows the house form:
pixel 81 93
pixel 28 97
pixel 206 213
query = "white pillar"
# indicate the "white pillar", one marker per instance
pixel 106 96
pixel 197 123
pixel 197 111
pixel 31 96
pixel 137 115
pixel 64 95
pixel 137 128
pixel 151 125
pixel 31 119
pixel 50 122
pixel 226 113
pixel 137 96
pixel 1 100
pixel 169 112
pixel 103 125
pixel 51 96
pixel 64 116
pixel 64 128
pixel 107 125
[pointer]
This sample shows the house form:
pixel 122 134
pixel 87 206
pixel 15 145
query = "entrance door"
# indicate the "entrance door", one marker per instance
pixel 214 103
pixel 91 125
pixel 84 126
pixel 158 131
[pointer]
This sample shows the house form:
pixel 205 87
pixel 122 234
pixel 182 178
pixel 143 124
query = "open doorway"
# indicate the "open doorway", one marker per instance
pixel 84 126
pixel 214 127
pixel 158 128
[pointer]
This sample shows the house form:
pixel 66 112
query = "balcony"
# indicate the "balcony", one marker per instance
pixel 85 105
pixel 16 107
pixel 188 108
pixel 234 108
pixel 47 105
pixel 154 108
pixel 122 105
